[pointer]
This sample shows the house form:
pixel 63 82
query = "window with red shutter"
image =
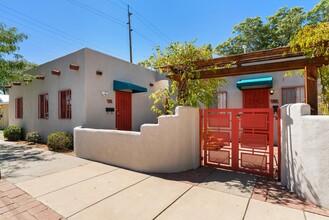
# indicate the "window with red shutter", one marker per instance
pixel 19 107
pixel 64 108
pixel 43 106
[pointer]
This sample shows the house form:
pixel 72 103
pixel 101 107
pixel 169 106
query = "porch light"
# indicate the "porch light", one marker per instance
pixel 104 93
pixel 271 92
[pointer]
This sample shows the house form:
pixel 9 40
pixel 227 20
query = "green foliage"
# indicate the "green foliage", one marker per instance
pixel 320 13
pixel 33 137
pixel 278 31
pixel 185 89
pixel 313 40
pixel 12 64
pixel 60 141
pixel 13 133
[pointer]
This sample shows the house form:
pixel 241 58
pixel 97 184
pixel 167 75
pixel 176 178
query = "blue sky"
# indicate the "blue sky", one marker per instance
pixel 58 27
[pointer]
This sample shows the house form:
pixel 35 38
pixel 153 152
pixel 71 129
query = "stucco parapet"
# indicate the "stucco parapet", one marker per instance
pixel 297 109
pixel 132 133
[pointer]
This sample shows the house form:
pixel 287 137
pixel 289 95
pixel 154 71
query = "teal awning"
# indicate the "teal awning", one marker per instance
pixel 123 86
pixel 265 82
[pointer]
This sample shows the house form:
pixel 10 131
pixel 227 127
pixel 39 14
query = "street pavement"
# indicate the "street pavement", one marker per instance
pixel 81 189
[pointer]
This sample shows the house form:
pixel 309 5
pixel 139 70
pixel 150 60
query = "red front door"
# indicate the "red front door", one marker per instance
pixel 123 119
pixel 256 98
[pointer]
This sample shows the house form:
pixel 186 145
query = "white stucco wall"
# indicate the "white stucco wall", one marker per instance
pixel 68 79
pixel 305 150
pixel 116 69
pixel 234 95
pixel 172 145
pixel 88 105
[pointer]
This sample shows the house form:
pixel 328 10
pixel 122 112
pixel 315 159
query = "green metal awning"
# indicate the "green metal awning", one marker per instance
pixel 265 82
pixel 124 86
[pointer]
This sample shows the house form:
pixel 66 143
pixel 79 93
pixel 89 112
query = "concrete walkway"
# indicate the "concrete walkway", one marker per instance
pixel 81 189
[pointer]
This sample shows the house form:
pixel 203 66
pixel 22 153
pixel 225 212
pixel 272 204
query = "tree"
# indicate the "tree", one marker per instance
pixel 320 13
pixel 277 32
pixel 12 64
pixel 313 41
pixel 259 36
pixel 185 89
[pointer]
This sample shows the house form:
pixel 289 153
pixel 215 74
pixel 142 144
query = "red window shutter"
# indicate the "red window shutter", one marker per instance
pixel 64 100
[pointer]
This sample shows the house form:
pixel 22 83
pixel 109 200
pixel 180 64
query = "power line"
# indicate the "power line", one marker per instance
pixel 152 27
pixel 33 29
pixel 113 3
pixel 151 43
pixel 98 12
pixel 54 30
pixel 145 21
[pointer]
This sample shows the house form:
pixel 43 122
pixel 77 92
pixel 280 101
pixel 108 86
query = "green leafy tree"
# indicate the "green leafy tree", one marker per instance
pixel 12 64
pixel 320 13
pixel 257 35
pixel 313 40
pixel 177 61
pixel 276 32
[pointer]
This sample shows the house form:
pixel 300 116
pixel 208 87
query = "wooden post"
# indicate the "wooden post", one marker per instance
pixel 311 88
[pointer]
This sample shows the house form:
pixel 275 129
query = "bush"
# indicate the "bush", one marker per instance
pixel 60 141
pixel 13 133
pixel 33 137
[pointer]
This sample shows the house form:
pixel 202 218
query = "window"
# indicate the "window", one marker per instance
pixel 64 104
pixel 19 107
pixel 293 95
pixel 43 106
pixel 222 100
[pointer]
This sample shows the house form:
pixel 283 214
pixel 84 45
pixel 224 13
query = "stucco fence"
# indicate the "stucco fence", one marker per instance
pixel 172 145
pixel 305 153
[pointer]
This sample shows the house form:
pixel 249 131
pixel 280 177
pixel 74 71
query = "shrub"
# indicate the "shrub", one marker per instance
pixel 33 137
pixel 13 133
pixel 60 141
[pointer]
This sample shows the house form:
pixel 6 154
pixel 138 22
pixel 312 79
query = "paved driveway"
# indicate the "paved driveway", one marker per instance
pixel 81 189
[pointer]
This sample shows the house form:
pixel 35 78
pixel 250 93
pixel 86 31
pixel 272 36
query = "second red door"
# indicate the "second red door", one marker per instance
pixel 256 98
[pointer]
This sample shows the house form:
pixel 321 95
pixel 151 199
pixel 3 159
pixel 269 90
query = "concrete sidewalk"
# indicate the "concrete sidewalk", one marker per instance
pixel 81 189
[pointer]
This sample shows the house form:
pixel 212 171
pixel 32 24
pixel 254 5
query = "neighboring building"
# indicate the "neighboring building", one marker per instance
pixel 4 114
pixel 261 91
pixel 86 88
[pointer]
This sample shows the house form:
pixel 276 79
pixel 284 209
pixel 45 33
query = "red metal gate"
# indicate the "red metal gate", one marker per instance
pixel 238 139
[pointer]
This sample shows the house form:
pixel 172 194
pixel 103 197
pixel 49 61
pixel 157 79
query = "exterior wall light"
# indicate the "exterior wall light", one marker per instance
pixel 104 93
pixel 271 92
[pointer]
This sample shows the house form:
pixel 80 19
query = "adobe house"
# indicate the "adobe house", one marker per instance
pixel 4 106
pixel 272 64
pixel 267 90
pixel 85 88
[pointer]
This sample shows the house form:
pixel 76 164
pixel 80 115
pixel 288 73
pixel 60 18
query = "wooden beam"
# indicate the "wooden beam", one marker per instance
pixel 41 77
pixel 311 88
pixel 247 56
pixel 16 83
pixel 74 67
pixel 264 68
pixel 56 72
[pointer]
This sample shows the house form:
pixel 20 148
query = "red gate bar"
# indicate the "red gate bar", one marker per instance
pixel 238 139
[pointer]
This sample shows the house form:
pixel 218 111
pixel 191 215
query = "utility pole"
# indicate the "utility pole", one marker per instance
pixel 129 31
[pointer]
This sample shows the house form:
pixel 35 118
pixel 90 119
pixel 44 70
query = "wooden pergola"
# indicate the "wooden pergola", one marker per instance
pixel 274 60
